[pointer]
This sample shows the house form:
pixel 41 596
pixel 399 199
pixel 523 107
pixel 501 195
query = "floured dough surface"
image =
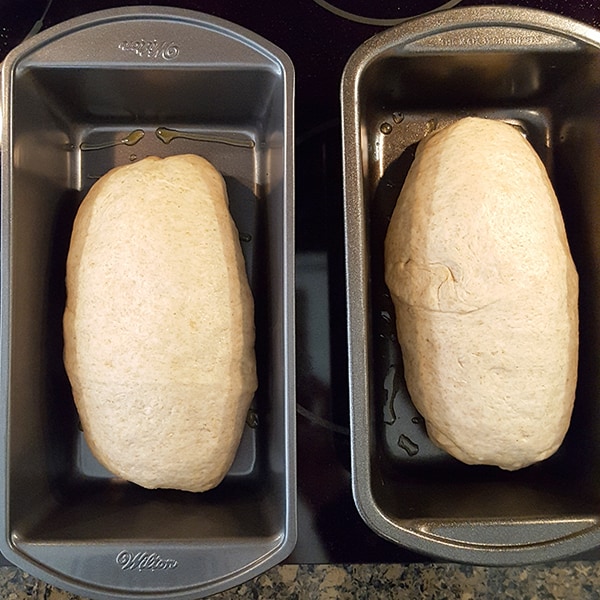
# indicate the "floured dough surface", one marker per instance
pixel 159 324
pixel 485 294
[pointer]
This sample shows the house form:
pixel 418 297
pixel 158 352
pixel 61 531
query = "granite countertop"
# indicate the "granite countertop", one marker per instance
pixel 566 580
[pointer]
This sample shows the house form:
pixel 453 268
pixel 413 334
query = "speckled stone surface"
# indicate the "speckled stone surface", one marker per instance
pixel 568 581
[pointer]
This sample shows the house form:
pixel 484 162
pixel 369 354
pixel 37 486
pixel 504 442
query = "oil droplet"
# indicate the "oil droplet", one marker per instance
pixel 245 237
pixel 129 140
pixel 431 126
pixel 385 315
pixel 166 135
pixel 390 385
pixel 388 336
pixel 132 157
pixel 388 329
pixel 519 127
pixel 252 418
pixel 385 128
pixel 408 445
pixel 417 420
pixel 397 117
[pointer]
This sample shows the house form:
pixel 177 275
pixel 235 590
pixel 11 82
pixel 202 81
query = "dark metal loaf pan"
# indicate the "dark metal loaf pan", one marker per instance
pixel 542 72
pixel 70 96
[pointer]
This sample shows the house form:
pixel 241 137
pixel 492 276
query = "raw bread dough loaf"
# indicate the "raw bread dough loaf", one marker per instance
pixel 485 294
pixel 159 324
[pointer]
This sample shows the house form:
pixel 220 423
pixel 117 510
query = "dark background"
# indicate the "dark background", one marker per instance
pixel 319 43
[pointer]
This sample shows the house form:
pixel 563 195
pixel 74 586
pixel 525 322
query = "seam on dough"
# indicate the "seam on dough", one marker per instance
pixel 453 312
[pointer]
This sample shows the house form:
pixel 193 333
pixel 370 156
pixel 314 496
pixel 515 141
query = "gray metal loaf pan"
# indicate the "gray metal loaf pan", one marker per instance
pixel 71 96
pixel 541 72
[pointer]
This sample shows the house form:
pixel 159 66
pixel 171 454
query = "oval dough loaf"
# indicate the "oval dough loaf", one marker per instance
pixel 159 324
pixel 485 294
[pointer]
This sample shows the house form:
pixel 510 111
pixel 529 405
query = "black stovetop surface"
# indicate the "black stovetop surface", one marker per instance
pixel 319 41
